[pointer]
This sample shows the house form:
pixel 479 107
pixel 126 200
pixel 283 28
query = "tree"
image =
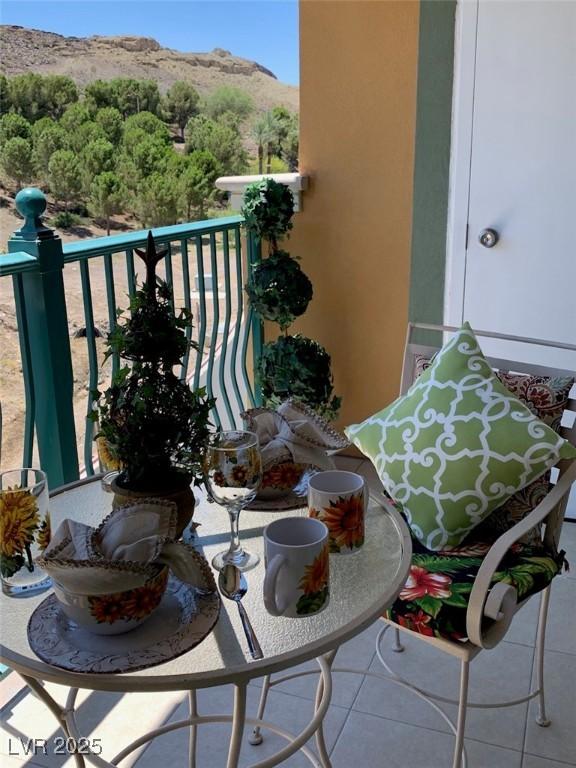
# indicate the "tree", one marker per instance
pixel 100 93
pixel 5 103
pixel 64 176
pixel 226 98
pixel 27 96
pixel 133 96
pixel 156 201
pixel 110 120
pixel 150 156
pixel 98 157
pixel 182 104
pixel 196 182
pixel 150 124
pixel 45 143
pixel 60 91
pixel 74 116
pixel 287 136
pixel 107 196
pixel 40 126
pixel 86 133
pixel 13 125
pixel 266 132
pixel 290 146
pixel 16 159
pixel 222 141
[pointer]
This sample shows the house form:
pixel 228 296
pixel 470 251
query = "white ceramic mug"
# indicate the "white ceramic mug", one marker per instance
pixel 297 567
pixel 340 500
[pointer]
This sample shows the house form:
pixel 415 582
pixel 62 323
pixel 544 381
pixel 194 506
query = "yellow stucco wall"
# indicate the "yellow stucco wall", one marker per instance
pixel 357 116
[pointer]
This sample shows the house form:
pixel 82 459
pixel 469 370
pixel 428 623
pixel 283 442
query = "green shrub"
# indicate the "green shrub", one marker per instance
pixel 65 220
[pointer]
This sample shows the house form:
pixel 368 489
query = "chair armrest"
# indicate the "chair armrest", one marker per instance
pixel 483 581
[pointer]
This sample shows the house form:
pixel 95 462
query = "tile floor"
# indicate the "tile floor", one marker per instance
pixel 371 722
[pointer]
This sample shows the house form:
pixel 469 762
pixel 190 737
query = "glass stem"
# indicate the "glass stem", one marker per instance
pixel 235 546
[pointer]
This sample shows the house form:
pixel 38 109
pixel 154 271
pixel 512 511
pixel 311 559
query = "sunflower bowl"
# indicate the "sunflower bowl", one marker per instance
pixel 281 479
pixel 114 613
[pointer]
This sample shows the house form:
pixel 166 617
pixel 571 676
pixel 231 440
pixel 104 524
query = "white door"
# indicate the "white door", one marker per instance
pixel 514 171
pixel 519 84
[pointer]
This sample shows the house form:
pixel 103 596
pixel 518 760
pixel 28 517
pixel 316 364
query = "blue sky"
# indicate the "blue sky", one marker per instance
pixel 265 31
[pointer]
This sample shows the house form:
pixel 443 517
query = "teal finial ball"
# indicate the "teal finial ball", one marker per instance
pixel 31 203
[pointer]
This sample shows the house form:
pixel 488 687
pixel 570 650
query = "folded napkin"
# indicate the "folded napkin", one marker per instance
pixel 294 432
pixel 124 552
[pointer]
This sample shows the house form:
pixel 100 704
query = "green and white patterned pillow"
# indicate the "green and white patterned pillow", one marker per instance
pixel 457 445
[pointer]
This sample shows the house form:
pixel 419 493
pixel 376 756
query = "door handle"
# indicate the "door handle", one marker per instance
pixel 488 238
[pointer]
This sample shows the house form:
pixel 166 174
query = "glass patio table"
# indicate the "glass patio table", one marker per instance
pixel 362 585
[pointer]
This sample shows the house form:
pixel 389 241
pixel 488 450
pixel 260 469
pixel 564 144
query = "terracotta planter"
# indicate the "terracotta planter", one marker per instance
pixel 184 500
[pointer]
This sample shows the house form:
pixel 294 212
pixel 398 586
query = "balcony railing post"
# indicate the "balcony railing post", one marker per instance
pixel 45 337
pixel 254 246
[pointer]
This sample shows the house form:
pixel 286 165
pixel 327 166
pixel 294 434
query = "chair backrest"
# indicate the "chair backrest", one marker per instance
pixel 413 351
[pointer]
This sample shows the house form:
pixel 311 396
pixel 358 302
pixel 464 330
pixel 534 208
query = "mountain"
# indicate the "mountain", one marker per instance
pixel 89 58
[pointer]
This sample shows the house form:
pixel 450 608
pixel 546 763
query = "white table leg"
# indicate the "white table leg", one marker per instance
pixel 58 712
pixel 256 737
pixel 320 740
pixel 193 737
pixel 238 721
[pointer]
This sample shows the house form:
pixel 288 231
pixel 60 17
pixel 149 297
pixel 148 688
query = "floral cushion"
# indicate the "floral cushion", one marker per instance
pixel 547 398
pixel 435 597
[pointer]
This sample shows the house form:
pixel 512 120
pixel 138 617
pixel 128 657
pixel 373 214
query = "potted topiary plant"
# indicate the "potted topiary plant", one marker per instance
pixel 293 366
pixel 151 422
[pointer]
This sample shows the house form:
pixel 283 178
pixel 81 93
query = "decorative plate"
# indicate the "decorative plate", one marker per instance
pixel 182 620
pixel 295 499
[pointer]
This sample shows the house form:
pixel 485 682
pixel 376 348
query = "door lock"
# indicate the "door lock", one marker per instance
pixel 488 238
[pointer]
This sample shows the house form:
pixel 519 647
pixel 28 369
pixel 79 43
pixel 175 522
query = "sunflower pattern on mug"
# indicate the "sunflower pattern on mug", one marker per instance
pixel 338 499
pixel 19 521
pixel 314 584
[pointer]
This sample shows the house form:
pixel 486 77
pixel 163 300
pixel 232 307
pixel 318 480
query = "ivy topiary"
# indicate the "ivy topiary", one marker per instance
pixel 298 367
pixel 279 291
pixel 268 209
pixel 153 424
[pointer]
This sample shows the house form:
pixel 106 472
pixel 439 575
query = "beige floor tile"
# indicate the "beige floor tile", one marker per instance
pixel 558 741
pixel 530 761
pixel 113 719
pixel 561 626
pixel 372 742
pixel 502 673
pixel 288 712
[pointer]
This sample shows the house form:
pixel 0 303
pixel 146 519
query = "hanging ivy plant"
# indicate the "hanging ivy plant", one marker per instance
pixel 268 210
pixel 279 291
pixel 298 367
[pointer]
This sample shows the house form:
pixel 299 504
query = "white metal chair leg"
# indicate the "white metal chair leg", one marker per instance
pixel 193 737
pixel 462 707
pixel 541 718
pixel 256 738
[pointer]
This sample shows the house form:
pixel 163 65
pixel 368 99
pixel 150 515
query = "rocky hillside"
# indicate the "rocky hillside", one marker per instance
pixel 89 58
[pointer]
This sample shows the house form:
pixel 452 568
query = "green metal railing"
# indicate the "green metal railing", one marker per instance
pixel 66 297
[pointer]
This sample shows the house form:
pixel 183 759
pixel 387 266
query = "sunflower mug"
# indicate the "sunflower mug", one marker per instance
pixel 24 531
pixel 297 567
pixel 340 500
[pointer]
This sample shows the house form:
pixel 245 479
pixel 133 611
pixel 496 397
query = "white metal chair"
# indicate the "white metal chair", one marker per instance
pixel 497 602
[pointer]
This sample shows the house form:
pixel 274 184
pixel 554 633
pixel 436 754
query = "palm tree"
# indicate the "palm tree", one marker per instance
pixel 260 132
pixel 267 132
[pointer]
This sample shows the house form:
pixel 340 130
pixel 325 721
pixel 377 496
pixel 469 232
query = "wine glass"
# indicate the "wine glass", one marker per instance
pixel 233 472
